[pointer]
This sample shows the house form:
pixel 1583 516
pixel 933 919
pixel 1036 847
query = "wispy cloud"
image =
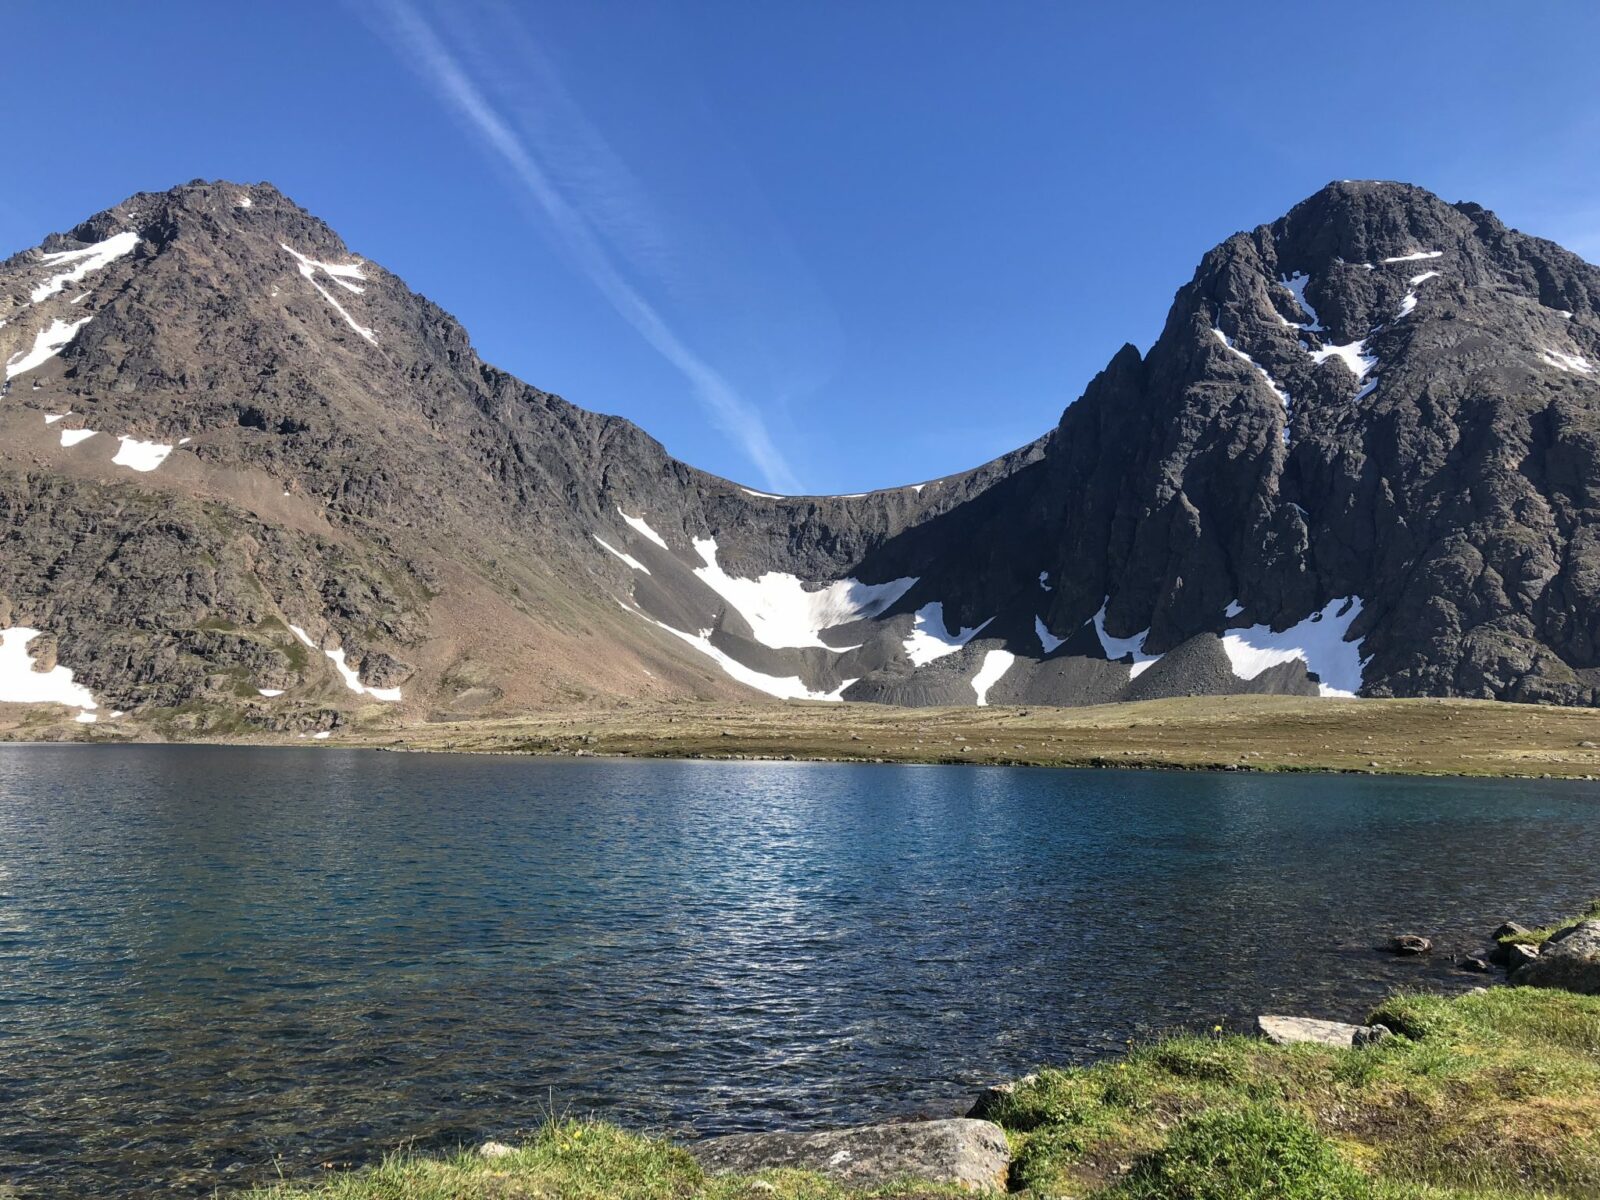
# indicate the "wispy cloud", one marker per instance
pixel 594 244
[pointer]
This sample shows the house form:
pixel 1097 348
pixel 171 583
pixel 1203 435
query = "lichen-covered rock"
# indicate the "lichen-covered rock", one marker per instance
pixel 1289 1031
pixel 961 1151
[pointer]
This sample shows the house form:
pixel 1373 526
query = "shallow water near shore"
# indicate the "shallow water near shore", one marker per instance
pixel 215 960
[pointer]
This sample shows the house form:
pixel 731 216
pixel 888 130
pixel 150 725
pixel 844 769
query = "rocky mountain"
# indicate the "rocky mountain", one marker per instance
pixel 251 480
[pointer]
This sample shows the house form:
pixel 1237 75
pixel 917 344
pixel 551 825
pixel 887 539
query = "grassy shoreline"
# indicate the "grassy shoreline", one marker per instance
pixel 1230 733
pixel 1489 1095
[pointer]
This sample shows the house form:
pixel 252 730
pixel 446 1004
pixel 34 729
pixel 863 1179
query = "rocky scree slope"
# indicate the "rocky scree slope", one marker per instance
pixel 251 480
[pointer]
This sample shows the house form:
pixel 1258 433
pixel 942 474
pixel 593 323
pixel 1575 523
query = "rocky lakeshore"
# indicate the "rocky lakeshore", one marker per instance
pixel 1494 1093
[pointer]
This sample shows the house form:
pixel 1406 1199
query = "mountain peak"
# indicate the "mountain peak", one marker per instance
pixel 1360 456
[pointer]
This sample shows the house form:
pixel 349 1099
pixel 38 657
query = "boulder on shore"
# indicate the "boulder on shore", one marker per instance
pixel 1289 1031
pixel 1519 954
pixel 992 1097
pixel 1570 960
pixel 970 1153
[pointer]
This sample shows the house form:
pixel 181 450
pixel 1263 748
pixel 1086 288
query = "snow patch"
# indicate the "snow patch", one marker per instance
pixel 783 613
pixel 244 202
pixel 71 437
pixel 760 495
pixel 1233 610
pixel 1044 581
pixel 1318 641
pixel 1568 362
pixel 140 456
pixel 995 664
pixel 627 558
pixel 1353 355
pixel 46 345
pixel 323 736
pixel 1048 641
pixel 642 528
pixel 341 274
pixel 931 639
pixel 85 261
pixel 21 684
pixel 86 718
pixel 1116 649
pixel 1417 256
pixel 1296 285
pixel 52 418
pixel 269 693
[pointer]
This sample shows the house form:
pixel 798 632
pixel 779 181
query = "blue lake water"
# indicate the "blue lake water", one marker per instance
pixel 217 961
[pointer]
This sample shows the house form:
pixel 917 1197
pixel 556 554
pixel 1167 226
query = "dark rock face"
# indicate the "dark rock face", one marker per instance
pixel 1362 456
pixel 970 1153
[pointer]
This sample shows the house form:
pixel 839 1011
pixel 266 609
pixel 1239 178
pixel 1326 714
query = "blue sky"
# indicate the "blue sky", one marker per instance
pixel 813 247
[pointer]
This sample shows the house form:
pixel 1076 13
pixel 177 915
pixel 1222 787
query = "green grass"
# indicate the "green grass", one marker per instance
pixel 1491 1096
pixel 577 1160
pixel 1538 937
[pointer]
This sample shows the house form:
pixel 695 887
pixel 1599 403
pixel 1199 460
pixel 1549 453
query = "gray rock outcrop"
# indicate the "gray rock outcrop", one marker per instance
pixel 1289 1031
pixel 1569 960
pixel 971 1153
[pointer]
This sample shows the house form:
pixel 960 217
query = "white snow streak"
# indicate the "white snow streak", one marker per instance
pixel 269 693
pixel 21 684
pixel 351 678
pixel 1044 581
pixel 140 456
pixel 1233 610
pixel 341 274
pixel 71 437
pixel 995 664
pixel 1048 641
pixel 1318 641
pixel 627 558
pixel 1283 396
pixel 46 345
pixel 788 687
pixel 783 613
pixel 1417 256
pixel 760 495
pixel 1117 649
pixel 1296 284
pixel 642 528
pixel 87 260
pixel 1410 302
pixel 931 638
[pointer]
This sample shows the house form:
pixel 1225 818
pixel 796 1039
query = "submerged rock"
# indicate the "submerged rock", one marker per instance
pixel 1409 944
pixel 1570 960
pixel 971 1153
